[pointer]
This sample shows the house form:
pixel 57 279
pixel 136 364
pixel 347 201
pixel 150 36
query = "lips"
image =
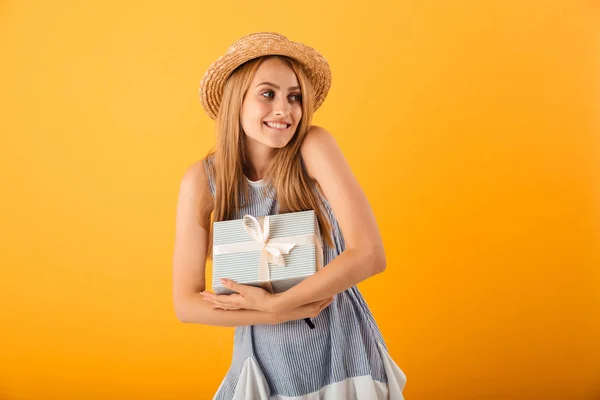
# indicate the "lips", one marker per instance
pixel 277 125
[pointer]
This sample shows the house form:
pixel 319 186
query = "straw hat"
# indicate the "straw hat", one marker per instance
pixel 257 45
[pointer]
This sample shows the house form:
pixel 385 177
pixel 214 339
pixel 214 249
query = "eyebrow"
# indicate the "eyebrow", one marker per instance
pixel 276 86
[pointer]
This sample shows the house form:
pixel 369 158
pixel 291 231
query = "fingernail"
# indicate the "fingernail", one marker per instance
pixel 223 281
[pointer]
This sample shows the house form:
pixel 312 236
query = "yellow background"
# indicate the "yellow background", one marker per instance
pixel 472 126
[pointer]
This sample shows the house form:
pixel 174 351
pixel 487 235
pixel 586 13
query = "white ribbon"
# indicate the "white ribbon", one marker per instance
pixel 272 249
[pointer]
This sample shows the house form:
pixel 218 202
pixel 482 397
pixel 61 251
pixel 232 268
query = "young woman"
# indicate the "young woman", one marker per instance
pixel 269 159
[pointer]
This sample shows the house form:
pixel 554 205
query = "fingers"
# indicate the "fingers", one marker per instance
pixel 224 308
pixel 221 306
pixel 326 303
pixel 231 285
pixel 318 306
pixel 230 302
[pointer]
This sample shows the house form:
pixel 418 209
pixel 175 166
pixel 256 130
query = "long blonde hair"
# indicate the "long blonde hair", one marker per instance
pixel 294 189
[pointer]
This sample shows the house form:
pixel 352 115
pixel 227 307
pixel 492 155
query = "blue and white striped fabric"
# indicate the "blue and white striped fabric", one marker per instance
pixel 344 357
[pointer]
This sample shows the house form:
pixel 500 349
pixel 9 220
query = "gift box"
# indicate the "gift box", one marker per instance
pixel 274 252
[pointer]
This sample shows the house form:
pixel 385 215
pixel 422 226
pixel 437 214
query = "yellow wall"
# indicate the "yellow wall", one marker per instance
pixel 472 126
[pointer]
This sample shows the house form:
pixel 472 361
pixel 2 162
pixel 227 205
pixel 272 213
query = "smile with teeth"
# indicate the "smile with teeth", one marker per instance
pixel 275 125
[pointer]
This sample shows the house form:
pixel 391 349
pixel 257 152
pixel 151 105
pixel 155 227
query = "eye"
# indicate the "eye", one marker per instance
pixel 268 94
pixel 296 97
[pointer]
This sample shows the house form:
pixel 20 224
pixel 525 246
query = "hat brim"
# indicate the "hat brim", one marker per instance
pixel 259 45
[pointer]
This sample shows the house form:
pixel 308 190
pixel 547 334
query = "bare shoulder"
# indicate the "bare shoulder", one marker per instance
pixel 325 162
pixel 320 151
pixel 194 206
pixel 194 190
pixel 194 176
pixel 316 137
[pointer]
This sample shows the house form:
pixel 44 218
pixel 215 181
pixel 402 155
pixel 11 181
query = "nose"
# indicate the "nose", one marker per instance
pixel 281 106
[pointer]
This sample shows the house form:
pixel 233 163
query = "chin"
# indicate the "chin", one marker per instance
pixel 277 142
pixel 277 145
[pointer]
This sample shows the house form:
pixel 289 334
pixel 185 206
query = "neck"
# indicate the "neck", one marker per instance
pixel 258 159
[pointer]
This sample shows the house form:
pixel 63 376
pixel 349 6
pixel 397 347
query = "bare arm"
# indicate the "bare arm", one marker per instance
pixel 195 204
pixel 364 255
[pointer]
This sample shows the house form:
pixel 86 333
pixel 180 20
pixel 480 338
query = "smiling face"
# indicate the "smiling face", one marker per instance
pixel 272 107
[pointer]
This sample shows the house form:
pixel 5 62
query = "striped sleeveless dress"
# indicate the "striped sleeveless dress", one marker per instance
pixel 343 358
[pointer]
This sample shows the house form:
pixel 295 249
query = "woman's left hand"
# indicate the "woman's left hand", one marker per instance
pixel 246 298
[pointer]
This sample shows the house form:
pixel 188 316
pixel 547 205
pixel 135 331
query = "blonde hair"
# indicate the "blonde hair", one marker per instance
pixel 295 190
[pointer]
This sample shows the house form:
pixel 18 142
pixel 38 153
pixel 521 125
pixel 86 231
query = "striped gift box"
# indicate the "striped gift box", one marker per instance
pixel 274 252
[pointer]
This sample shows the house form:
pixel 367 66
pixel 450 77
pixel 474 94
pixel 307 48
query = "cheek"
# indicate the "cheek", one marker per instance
pixel 251 115
pixel 297 113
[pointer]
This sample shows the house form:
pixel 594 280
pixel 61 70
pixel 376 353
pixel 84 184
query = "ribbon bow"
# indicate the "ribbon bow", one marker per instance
pixel 271 250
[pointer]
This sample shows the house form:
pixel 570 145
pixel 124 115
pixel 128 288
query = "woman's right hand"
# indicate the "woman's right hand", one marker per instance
pixel 310 310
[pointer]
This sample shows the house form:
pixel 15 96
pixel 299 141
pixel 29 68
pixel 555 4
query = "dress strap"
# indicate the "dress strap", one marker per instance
pixel 209 166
